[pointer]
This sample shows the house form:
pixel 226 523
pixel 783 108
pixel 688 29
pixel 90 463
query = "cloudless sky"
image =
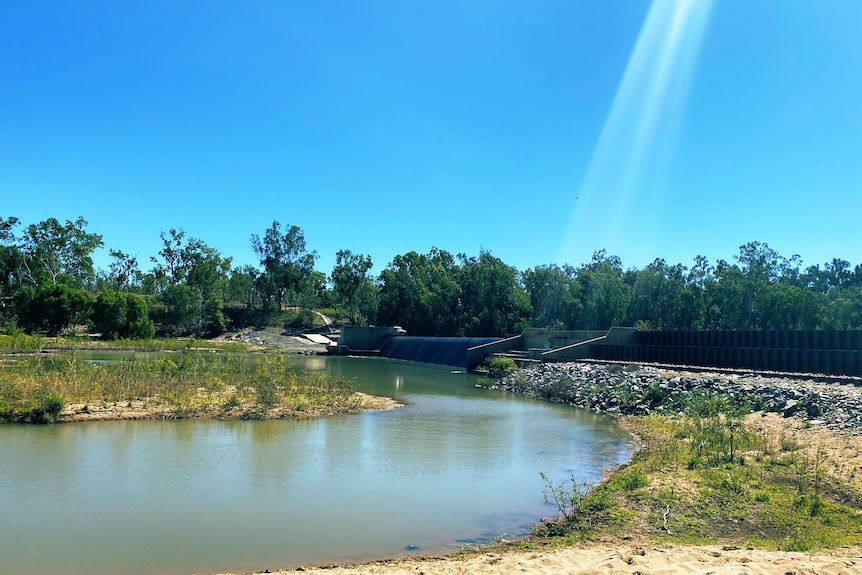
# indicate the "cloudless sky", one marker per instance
pixel 541 131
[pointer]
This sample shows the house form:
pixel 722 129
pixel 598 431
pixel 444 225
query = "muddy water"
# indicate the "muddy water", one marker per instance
pixel 457 465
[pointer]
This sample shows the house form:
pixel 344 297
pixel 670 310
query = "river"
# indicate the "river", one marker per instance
pixel 457 465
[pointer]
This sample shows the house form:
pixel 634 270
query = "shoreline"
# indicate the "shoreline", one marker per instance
pixel 825 413
pixel 623 558
pixel 142 410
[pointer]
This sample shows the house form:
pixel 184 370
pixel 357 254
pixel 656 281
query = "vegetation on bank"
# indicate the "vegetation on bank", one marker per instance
pixel 705 478
pixel 189 383
pixel 49 285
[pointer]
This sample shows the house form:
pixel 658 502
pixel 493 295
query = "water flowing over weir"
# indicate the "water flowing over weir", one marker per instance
pixel 392 342
pixel 440 350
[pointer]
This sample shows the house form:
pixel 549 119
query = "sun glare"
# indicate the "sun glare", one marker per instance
pixel 623 183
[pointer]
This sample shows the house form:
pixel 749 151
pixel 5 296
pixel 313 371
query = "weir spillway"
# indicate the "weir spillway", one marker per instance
pixel 450 351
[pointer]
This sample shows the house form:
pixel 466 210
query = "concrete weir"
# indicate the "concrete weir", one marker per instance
pixel 392 342
pixel 837 353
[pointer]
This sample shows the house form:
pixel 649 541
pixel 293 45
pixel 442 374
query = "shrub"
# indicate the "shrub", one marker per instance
pixel 499 366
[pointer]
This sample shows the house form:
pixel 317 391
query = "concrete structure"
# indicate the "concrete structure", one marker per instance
pixel 823 352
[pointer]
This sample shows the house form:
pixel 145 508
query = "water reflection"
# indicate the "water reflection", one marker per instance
pixel 457 463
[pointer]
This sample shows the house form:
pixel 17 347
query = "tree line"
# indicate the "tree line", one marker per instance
pixel 48 284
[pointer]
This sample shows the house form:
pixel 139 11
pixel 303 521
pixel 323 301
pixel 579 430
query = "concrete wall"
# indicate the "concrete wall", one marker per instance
pixel 545 339
pixel 365 338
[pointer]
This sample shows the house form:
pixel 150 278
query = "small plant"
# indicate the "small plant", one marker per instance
pixel 567 500
pixel 231 402
pixel 634 478
pixel 48 409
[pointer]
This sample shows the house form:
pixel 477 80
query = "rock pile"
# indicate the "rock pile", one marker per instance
pixel 635 390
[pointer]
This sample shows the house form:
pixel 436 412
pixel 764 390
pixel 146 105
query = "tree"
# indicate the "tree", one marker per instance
pixel 354 287
pixel 51 309
pixel 605 296
pixel 123 269
pixel 420 293
pixel 118 315
pixel 51 250
pixel 287 266
pixel 554 296
pixel 192 277
pixel 492 301
pixel 241 286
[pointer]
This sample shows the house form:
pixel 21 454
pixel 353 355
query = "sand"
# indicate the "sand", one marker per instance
pixel 618 560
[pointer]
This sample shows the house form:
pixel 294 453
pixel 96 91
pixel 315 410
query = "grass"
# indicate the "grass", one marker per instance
pixel 691 483
pixel 190 383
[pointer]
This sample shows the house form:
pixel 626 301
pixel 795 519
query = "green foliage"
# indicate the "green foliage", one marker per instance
pixel 288 267
pixel 17 341
pixel 118 315
pixel 421 293
pixel 498 366
pixel 633 478
pixel 48 408
pixel 354 287
pixel 758 503
pixel 566 498
pixel 51 309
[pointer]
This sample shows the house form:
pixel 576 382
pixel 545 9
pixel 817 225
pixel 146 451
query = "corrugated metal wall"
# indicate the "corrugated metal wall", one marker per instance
pixel 826 352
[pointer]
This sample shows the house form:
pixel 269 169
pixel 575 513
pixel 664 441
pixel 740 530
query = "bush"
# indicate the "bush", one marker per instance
pixel 499 366
pixel 118 315
pixel 48 409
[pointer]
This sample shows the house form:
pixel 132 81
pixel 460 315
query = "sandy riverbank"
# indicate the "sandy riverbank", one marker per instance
pixel 619 559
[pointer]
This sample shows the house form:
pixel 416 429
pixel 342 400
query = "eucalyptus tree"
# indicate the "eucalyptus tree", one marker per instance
pixel 240 286
pixel 123 270
pixel 59 253
pixel 288 267
pixel 605 295
pixel 421 293
pixel 11 263
pixel 353 287
pixel 492 301
pixel 190 278
pixel 555 296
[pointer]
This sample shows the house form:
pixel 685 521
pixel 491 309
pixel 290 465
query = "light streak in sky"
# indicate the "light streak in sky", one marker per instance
pixel 623 183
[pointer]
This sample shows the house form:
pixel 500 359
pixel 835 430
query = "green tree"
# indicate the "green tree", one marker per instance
pixel 555 296
pixel 287 265
pixel 118 315
pixel 241 286
pixel 420 293
pixel 192 278
pixel 53 251
pixel 181 311
pixel 51 309
pixel 492 300
pixel 353 286
pixel 605 295
pixel 123 269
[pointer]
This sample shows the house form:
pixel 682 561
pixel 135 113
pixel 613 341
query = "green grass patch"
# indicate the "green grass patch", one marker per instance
pixel 190 383
pixel 705 478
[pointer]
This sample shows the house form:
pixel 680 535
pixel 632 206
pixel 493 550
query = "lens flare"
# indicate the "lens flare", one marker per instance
pixel 622 189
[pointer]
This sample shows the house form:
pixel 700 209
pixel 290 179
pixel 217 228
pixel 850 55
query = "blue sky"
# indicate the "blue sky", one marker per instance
pixel 540 131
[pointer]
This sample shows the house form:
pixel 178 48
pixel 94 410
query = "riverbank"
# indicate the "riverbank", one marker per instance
pixel 192 383
pixel 616 559
pixel 644 390
pixel 142 409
